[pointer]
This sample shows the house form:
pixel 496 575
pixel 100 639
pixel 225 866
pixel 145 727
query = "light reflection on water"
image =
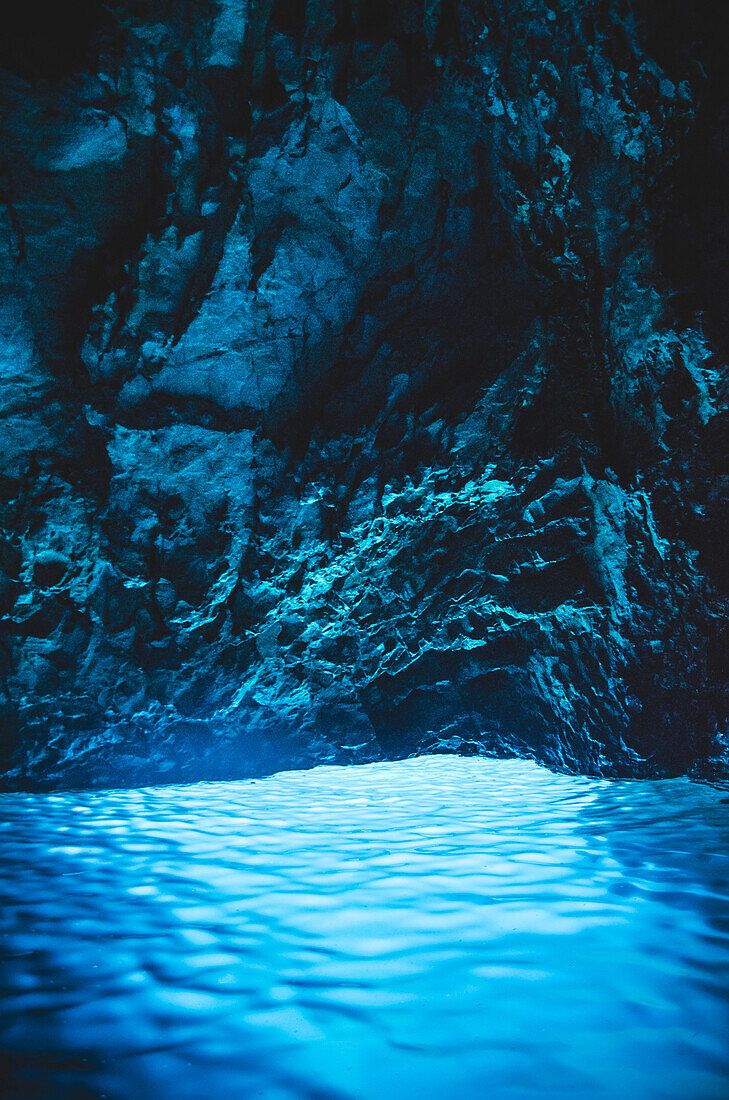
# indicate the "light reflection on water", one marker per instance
pixel 439 927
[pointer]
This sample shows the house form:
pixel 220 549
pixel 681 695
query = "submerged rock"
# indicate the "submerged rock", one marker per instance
pixel 343 354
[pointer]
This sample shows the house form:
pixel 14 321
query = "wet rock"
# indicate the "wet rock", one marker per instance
pixel 8 593
pixel 340 354
pixel 50 568
pixel 11 558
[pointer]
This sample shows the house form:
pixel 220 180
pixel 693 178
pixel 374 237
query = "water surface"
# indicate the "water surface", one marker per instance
pixel 432 928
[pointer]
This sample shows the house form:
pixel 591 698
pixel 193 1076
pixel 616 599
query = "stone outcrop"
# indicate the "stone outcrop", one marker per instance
pixel 363 385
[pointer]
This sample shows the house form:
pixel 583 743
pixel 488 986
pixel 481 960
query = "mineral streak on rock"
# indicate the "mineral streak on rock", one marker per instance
pixel 363 386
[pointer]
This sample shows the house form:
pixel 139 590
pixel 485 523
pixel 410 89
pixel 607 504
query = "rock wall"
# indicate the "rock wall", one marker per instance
pixel 363 387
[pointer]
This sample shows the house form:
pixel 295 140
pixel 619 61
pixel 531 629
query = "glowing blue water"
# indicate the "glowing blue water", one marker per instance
pixel 435 928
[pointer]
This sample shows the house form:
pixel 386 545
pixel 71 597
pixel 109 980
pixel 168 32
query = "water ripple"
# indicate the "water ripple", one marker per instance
pixel 439 927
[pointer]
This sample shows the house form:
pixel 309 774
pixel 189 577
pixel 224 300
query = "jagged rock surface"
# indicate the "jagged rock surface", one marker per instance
pixel 356 400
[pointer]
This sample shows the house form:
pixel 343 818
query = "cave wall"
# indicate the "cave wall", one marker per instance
pixel 363 387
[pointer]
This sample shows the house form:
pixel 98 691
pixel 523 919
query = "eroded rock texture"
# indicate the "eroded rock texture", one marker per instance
pixel 363 386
